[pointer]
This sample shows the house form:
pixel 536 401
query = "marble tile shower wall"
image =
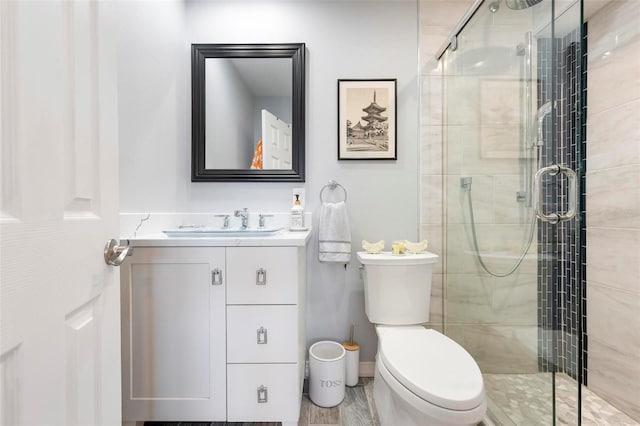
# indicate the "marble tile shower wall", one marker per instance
pixel 613 204
pixel 613 198
pixel 494 318
pixel 437 18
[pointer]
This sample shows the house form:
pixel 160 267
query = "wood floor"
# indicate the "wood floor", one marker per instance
pixel 357 409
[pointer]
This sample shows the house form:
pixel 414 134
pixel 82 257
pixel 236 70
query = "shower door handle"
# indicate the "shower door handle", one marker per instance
pixel 572 193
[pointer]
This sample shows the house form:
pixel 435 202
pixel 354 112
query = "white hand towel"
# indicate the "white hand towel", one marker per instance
pixel 334 235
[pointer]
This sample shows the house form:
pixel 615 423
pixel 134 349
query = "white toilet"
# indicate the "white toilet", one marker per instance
pixel 422 377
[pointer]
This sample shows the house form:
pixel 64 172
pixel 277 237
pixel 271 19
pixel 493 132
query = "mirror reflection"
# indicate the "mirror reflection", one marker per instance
pixel 248 113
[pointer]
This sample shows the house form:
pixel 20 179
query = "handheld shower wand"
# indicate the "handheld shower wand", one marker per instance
pixel 536 140
pixel 542 112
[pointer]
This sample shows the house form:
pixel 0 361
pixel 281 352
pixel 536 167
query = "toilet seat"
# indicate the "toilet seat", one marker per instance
pixel 431 366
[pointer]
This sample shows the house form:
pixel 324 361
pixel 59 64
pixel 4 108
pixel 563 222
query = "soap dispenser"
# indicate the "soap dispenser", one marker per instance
pixel 297 215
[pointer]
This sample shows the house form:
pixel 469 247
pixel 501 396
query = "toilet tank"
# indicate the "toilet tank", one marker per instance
pixel 397 288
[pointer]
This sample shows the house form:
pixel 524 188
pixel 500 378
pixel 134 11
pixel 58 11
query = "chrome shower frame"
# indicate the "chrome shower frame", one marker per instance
pixel 451 40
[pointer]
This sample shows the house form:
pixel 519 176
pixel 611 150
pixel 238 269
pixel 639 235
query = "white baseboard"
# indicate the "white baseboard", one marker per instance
pixel 367 369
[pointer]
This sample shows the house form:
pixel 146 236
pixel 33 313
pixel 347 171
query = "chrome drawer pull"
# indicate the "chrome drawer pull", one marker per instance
pixel 263 397
pixel 261 276
pixel 216 277
pixel 262 336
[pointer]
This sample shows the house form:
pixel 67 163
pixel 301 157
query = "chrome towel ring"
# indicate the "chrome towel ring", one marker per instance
pixel 332 185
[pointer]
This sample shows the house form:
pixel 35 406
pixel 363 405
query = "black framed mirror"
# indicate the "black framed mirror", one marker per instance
pixel 248 112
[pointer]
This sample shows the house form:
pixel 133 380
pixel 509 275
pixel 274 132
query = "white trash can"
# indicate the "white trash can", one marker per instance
pixel 326 373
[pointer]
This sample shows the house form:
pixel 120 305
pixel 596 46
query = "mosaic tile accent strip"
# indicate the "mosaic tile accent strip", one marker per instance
pixel 562 343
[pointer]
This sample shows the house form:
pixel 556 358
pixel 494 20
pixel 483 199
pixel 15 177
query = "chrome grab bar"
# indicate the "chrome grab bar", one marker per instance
pixel 114 254
pixel 572 193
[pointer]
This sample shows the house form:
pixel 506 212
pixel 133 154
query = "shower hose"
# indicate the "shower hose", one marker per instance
pixel 474 235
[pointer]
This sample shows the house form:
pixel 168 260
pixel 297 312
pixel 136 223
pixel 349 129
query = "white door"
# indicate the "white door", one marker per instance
pixel 60 318
pixel 276 142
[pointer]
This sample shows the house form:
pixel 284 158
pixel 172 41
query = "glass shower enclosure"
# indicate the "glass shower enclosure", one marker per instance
pixel 514 91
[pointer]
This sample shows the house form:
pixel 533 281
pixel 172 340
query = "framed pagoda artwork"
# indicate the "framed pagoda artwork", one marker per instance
pixel 367 119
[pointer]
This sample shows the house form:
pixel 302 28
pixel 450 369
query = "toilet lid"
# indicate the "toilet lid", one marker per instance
pixel 432 366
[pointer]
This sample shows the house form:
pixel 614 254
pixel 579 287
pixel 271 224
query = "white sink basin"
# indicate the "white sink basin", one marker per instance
pixel 220 233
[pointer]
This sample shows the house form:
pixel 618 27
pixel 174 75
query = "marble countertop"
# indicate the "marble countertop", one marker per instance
pixel 145 230
pixel 282 238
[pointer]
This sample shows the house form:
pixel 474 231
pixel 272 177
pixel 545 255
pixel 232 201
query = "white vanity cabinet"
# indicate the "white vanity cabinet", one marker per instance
pixel 213 333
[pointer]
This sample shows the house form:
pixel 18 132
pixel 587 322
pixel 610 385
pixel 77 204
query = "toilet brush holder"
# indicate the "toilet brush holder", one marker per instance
pixel 352 359
pixel 352 363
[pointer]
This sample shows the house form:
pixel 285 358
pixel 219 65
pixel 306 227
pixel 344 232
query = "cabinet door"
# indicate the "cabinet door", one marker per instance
pixel 262 275
pixel 173 334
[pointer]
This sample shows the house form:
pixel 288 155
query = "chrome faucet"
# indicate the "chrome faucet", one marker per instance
pixel 244 214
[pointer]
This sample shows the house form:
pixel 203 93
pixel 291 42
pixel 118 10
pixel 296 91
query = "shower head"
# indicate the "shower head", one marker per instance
pixel 542 112
pixel 521 4
pixel 494 7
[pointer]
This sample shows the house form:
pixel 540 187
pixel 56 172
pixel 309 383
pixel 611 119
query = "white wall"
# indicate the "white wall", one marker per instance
pixel 228 101
pixel 344 40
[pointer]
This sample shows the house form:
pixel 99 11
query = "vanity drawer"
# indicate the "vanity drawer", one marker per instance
pixel 262 275
pixel 262 333
pixel 277 386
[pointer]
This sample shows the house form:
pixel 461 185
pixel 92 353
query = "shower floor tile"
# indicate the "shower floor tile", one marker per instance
pixel 525 399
